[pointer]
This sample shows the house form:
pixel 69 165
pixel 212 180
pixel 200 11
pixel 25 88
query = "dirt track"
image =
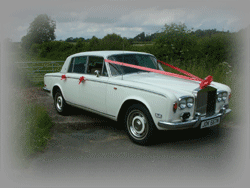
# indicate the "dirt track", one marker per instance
pixel 88 150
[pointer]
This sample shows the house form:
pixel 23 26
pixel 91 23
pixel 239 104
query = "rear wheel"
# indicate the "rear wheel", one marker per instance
pixel 139 124
pixel 60 104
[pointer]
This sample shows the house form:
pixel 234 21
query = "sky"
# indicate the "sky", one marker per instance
pixel 127 18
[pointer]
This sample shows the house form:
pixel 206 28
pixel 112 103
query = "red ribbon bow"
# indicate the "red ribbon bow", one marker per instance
pixel 63 77
pixel 206 82
pixel 81 79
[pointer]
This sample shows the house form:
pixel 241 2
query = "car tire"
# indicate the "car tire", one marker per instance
pixel 60 104
pixel 140 126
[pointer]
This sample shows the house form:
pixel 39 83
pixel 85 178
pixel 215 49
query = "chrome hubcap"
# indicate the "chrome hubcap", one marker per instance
pixel 59 103
pixel 137 124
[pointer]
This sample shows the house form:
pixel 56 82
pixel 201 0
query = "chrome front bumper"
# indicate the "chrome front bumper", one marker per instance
pixel 45 89
pixel 191 123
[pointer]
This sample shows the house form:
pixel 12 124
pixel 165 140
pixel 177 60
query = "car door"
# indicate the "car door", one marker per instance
pixel 92 93
pixel 77 68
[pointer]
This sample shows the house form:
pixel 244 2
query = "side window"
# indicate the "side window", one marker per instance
pixel 96 63
pixel 71 65
pixel 78 65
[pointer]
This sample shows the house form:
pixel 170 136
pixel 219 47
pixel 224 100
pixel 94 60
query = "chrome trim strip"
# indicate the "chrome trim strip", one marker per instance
pixel 192 123
pixel 52 76
pixel 139 89
pixel 90 109
pixel 100 81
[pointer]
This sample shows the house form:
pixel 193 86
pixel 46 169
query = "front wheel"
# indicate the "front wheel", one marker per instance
pixel 139 124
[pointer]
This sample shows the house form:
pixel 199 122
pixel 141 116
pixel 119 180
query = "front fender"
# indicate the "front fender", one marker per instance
pixel 157 105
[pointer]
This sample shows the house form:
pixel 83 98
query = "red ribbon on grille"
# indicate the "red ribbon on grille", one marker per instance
pixel 203 84
pixel 63 77
pixel 81 79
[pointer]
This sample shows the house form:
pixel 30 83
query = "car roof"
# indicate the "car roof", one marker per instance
pixel 105 54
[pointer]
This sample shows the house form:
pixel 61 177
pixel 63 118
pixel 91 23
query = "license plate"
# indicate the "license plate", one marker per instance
pixel 210 122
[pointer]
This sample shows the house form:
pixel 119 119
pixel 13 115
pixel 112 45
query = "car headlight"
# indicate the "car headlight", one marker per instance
pixel 190 102
pixel 221 96
pixel 224 96
pixel 183 103
pixel 186 102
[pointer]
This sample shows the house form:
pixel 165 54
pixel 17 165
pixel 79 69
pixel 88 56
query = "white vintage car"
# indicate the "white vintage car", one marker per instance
pixel 144 101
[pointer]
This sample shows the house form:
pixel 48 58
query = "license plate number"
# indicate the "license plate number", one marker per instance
pixel 210 122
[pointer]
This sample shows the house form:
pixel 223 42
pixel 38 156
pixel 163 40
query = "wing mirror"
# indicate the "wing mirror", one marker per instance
pixel 97 73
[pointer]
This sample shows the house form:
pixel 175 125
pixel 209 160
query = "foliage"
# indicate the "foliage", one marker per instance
pixel 142 37
pixel 71 39
pixel 94 44
pixel 56 50
pixel 42 29
pixel 206 33
pixel 209 48
pixel 80 46
pixel 214 49
pixel 113 42
pixel 174 42
pixel 33 130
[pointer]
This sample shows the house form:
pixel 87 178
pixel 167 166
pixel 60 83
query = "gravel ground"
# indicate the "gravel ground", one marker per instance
pixel 87 150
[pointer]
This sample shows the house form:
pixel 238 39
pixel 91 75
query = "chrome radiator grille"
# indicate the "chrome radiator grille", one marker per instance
pixel 206 101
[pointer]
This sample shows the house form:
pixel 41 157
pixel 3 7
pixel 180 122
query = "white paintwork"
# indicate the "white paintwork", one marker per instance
pixel 98 94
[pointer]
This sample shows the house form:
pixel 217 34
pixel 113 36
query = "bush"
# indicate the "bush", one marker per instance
pixel 214 49
pixel 56 50
pixel 174 42
pixel 113 42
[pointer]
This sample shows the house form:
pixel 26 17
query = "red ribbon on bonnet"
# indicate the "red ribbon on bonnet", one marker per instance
pixel 203 84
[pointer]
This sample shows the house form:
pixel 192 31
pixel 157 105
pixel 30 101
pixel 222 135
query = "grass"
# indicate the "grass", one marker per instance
pixel 32 130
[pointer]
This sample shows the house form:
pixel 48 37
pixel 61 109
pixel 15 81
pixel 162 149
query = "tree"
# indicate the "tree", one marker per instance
pixel 113 42
pixel 42 29
pixel 80 46
pixel 175 41
pixel 140 37
pixel 94 44
pixel 70 39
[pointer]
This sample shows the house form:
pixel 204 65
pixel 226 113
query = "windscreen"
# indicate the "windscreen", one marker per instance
pixel 133 59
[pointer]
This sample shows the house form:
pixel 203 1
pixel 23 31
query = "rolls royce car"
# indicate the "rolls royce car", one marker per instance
pixel 133 89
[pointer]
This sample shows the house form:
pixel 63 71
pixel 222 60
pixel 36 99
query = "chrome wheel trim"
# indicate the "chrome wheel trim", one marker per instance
pixel 59 103
pixel 137 124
